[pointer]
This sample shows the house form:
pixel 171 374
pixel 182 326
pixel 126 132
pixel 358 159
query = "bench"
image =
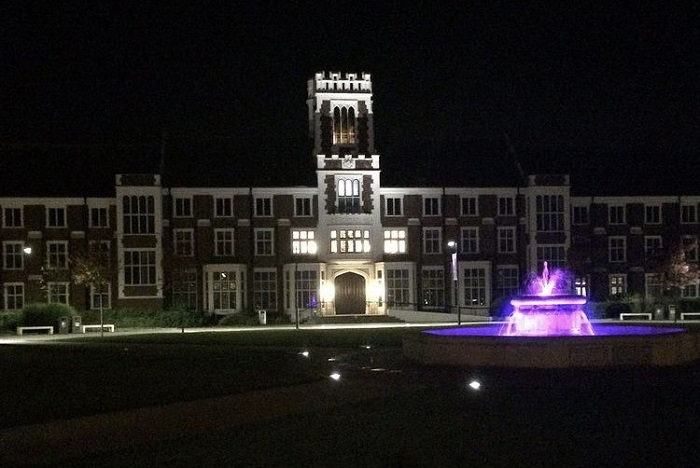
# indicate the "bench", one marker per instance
pixel 107 326
pixel 48 328
pixel 638 315
pixel 684 315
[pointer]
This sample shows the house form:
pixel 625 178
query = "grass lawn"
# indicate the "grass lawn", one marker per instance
pixel 635 416
pixel 88 374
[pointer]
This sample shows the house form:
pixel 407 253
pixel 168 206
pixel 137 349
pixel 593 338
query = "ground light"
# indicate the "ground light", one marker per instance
pixel 335 376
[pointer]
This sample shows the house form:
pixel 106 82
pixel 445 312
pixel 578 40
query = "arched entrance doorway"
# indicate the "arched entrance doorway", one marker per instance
pixel 350 294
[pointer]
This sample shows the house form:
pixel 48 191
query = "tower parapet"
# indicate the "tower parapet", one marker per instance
pixel 340 113
pixel 339 82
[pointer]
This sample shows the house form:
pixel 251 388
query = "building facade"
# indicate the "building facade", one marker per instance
pixel 347 245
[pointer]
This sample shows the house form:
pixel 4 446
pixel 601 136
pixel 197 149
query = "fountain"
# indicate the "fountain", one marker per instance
pixel 547 312
pixel 548 328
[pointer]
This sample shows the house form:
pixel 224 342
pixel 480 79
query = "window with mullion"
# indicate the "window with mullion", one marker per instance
pixel 470 240
pixel 264 244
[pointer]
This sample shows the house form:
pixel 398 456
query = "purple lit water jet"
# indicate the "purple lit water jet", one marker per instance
pixel 546 311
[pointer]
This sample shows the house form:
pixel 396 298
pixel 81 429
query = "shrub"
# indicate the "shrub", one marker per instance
pixel 501 308
pixel 9 320
pixel 689 305
pixel 240 319
pixel 139 318
pixel 45 314
pixel 181 317
pixel 614 309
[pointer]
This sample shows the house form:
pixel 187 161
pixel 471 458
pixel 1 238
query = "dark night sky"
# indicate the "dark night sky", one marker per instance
pixel 606 91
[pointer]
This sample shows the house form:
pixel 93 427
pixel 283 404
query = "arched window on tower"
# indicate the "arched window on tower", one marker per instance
pixel 344 125
pixel 348 196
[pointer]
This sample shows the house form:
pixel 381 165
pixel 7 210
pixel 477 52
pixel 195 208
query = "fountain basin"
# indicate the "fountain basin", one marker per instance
pixel 612 345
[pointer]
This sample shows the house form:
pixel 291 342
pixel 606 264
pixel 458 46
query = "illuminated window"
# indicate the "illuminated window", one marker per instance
pixel 14 296
pixel 57 254
pixel 13 255
pixel 223 207
pixel 139 267
pixel 56 217
pixel 652 214
pixel 350 241
pixel 433 286
pixel 13 218
pixel 506 239
pixel 183 207
pixel 617 284
pixel 304 242
pixel 617 249
pixel 394 241
pixel 506 206
pixel 470 206
pixel 302 206
pixel 264 244
pixel 344 125
pixel 57 292
pixel 581 286
pixel 550 213
pixel 223 242
pixel 616 214
pixel 265 289
pixel 184 242
pixel 432 240
pixel 470 240
pixel 348 196
pixel 139 214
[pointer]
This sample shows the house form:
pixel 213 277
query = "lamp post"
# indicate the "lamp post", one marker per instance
pixel 452 267
pixel 296 295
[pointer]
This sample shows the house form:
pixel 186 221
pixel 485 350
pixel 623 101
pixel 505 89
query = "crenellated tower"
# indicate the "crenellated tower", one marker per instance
pixel 340 113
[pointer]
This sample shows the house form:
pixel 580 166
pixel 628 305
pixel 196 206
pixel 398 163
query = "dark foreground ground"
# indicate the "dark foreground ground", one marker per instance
pixel 110 404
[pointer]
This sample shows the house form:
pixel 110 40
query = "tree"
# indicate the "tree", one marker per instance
pixel 676 273
pixel 92 272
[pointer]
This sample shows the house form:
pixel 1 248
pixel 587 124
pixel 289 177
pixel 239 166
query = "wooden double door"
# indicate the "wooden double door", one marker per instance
pixel 350 294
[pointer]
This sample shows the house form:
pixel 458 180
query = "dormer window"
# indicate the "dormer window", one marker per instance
pixel 343 125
